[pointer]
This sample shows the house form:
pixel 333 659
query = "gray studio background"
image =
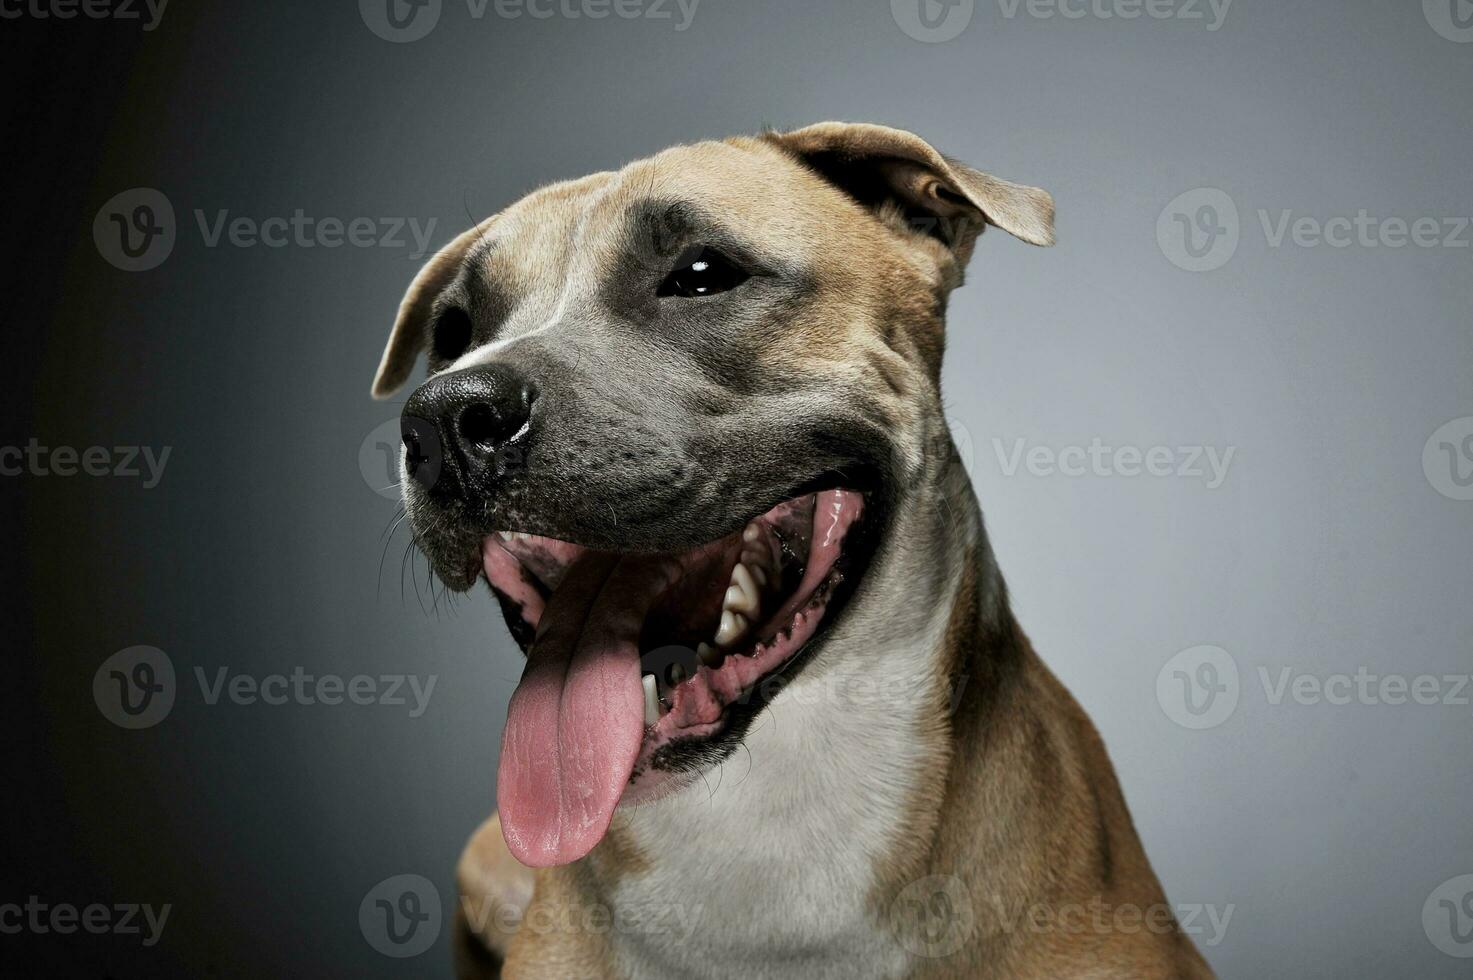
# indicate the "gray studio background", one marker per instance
pixel 1328 548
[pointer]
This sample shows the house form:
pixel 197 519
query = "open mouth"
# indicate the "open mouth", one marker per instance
pixel 633 657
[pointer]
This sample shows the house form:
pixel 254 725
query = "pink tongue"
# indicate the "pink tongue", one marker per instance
pixel 576 721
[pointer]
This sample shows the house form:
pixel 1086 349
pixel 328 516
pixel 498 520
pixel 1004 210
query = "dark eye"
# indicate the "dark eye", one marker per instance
pixel 702 272
pixel 452 334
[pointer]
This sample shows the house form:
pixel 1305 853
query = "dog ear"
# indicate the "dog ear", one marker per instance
pixel 410 332
pixel 879 166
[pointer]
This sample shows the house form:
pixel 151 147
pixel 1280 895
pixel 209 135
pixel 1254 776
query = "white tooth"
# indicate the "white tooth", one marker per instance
pixel 733 627
pixel 757 558
pixel 742 596
pixel 751 533
pixel 651 700
pixel 706 652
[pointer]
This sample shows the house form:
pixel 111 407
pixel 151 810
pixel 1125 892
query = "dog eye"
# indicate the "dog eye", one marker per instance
pixel 452 334
pixel 702 272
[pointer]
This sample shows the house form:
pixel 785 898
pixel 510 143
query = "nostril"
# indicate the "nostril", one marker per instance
pixel 481 425
pixel 457 427
pixel 421 451
pixel 413 455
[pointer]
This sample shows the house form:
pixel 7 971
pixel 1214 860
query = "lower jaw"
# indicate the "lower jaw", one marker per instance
pixel 705 708
pixel 710 713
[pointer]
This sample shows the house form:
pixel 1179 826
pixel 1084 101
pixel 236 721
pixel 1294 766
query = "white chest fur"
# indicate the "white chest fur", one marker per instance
pixel 766 868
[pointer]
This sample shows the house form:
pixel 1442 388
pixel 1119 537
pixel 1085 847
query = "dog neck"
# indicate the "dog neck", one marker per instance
pixel 780 854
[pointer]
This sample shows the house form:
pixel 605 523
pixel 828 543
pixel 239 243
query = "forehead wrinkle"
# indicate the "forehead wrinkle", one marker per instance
pixel 545 265
pixel 603 237
pixel 477 284
pixel 479 256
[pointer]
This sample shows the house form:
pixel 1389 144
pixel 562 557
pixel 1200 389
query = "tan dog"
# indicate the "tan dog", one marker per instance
pixel 777 718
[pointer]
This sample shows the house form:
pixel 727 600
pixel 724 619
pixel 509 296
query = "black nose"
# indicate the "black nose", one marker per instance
pixel 465 430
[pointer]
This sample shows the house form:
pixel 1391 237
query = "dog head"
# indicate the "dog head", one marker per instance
pixel 668 414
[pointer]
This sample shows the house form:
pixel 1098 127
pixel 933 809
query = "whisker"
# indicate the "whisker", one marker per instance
pixel 393 525
pixel 403 594
pixel 388 540
pixel 743 744
pixel 414 578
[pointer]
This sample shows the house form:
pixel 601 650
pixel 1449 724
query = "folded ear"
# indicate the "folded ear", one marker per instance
pixel 881 166
pixel 410 331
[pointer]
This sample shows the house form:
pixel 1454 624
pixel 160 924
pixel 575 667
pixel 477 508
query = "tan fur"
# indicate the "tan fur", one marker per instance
pixel 1024 809
pixel 406 339
pixel 1016 806
pixel 494 893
